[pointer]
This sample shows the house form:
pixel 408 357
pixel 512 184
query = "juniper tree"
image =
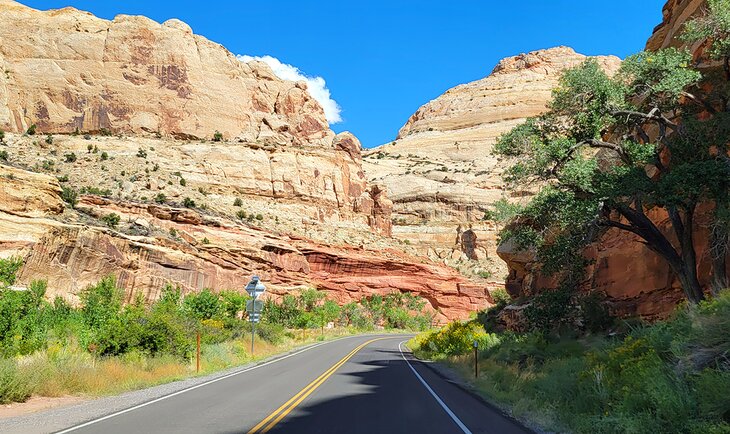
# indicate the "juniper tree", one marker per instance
pixel 615 151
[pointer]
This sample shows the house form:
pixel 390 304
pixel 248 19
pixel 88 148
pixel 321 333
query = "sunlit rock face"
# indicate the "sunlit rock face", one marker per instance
pixel 128 109
pixel 440 172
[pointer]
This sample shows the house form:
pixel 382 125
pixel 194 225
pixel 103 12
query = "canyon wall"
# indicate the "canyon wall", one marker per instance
pixel 155 244
pixel 66 70
pixel 125 112
pixel 440 172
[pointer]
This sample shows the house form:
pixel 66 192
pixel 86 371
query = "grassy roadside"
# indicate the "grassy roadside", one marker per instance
pixel 71 371
pixel 671 376
pixel 104 346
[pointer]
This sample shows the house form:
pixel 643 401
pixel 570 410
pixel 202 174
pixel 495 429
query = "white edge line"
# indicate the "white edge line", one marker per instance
pixel 435 396
pixel 144 404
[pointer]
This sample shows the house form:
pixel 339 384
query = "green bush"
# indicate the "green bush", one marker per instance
pixel 104 156
pixel 111 220
pixel 188 203
pixel 70 157
pixel 70 196
pixel 8 269
pixel 217 136
pixel 31 130
pixel 237 202
pixel 160 198
pixel 204 305
pixel 4 156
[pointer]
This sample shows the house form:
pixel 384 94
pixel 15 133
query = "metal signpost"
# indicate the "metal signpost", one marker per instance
pixel 476 359
pixel 254 306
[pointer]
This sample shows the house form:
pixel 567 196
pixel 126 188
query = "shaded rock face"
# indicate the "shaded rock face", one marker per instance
pixel 72 250
pixel 66 69
pixel 440 173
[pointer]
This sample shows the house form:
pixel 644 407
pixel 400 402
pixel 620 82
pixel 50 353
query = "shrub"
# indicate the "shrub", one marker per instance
pixel 259 217
pixel 241 214
pixel 141 153
pixel 104 156
pixel 4 155
pixel 49 139
pixel 160 198
pixel 70 157
pixel 2 135
pixel 204 305
pixel 69 195
pixel 183 182
pixel 31 130
pixel 111 220
pixel 89 148
pixel 105 132
pixel 14 386
pixel 8 269
pixel 205 240
pixel 237 202
pixel 62 178
pixel 188 203
pixel 217 136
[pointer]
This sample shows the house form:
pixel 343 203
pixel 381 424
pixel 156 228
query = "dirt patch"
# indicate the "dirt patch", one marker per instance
pixel 37 403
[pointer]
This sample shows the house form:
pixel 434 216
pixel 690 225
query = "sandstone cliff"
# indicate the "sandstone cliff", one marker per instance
pixel 125 110
pixel 157 244
pixel 66 70
pixel 439 172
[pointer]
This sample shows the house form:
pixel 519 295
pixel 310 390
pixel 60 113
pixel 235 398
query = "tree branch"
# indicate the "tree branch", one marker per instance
pixel 660 118
pixel 707 106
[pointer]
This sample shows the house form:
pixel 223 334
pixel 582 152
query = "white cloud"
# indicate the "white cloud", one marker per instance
pixel 316 85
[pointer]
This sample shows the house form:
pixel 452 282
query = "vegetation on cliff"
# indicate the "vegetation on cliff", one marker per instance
pixel 611 150
pixel 668 377
pixel 53 348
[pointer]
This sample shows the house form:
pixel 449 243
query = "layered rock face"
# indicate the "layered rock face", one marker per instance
pixel 158 244
pixel 439 172
pixel 125 109
pixel 66 70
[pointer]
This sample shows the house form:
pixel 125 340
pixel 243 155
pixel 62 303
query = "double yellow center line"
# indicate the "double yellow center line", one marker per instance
pixel 280 413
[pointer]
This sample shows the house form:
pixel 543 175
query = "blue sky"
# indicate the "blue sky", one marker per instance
pixel 382 59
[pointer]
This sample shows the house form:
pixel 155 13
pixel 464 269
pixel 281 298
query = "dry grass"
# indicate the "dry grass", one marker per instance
pixel 71 371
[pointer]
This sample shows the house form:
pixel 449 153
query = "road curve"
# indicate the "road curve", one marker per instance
pixel 365 384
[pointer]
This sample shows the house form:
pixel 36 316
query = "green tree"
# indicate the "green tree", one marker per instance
pixel 327 312
pixel 611 150
pixel 204 305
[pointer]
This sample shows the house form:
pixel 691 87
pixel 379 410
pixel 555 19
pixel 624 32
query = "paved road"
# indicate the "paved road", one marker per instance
pixel 364 384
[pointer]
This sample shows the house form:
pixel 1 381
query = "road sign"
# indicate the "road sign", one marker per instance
pixel 254 317
pixel 255 287
pixel 254 306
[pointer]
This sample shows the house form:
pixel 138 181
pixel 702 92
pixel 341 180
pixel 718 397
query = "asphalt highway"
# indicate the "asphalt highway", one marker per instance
pixel 364 384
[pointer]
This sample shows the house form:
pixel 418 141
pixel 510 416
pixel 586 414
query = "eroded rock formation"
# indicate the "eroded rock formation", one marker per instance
pixel 440 173
pixel 66 70
pixel 125 110
pixel 157 244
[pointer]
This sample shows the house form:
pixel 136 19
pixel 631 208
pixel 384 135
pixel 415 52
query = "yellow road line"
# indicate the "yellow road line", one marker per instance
pixel 295 400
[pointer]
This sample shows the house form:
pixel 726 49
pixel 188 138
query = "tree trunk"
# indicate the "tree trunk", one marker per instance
pixel 718 251
pixel 685 235
pixel 683 263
